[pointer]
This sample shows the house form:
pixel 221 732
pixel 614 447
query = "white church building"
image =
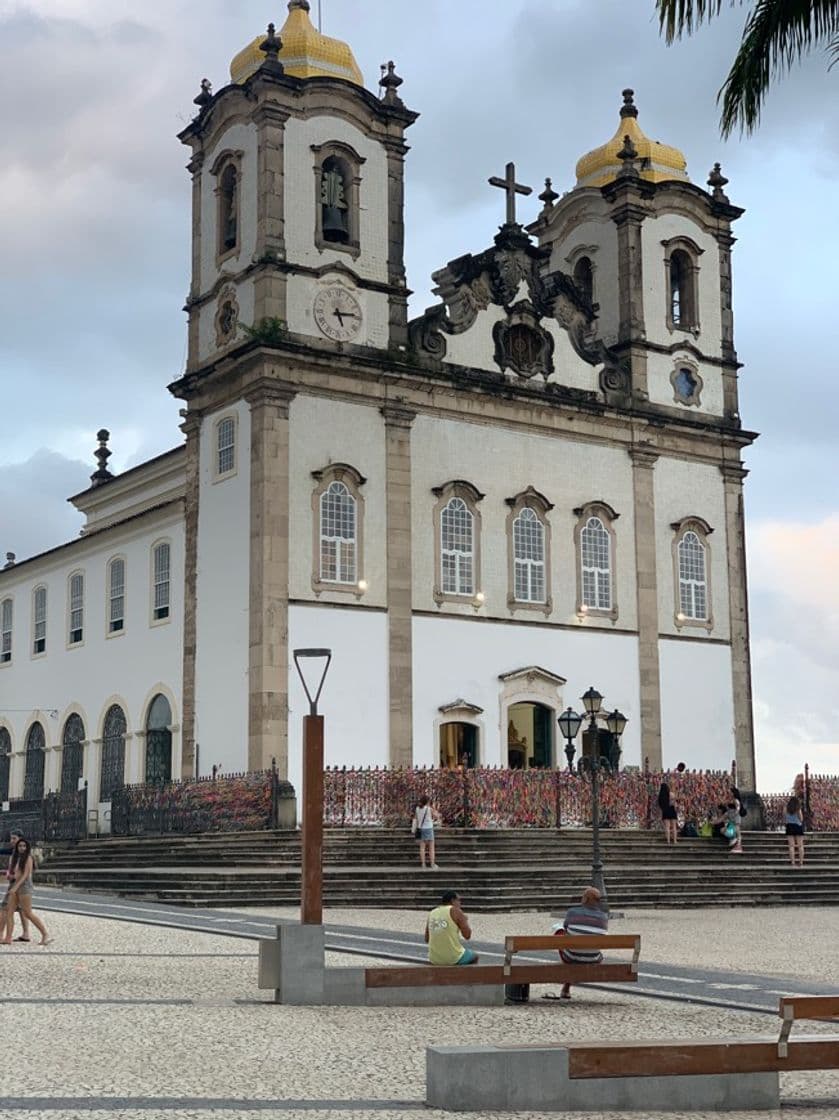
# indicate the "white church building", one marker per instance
pixel 534 487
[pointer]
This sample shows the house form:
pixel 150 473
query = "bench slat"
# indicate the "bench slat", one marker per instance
pixel 808 1007
pixel 430 975
pixel 650 1059
pixel 573 941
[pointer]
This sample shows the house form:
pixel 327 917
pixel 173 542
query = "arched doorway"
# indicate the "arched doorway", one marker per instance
pixel 5 762
pixel 33 776
pixel 113 752
pixel 530 736
pixel 71 759
pixel 159 741
pixel 458 745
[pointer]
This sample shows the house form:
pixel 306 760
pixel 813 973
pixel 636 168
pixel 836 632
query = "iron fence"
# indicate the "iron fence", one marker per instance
pixel 58 816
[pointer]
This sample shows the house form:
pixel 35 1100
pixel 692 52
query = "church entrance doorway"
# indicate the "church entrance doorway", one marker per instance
pixel 458 745
pixel 529 736
pixel 159 741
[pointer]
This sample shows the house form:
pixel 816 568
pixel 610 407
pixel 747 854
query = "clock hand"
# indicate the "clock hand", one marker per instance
pixel 338 316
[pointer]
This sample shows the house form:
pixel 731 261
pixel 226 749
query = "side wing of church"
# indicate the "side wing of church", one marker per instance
pixel 533 487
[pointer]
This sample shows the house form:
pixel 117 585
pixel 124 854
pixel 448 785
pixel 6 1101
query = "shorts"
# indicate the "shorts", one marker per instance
pixel 795 830
pixel 469 957
pixel 669 814
pixel 426 834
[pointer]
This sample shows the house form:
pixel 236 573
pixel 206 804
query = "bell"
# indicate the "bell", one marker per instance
pixel 335 224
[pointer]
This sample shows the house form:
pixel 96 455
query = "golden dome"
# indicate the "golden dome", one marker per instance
pixel 656 162
pixel 305 53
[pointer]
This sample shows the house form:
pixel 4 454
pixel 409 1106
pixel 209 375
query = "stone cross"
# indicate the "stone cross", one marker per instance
pixel 509 184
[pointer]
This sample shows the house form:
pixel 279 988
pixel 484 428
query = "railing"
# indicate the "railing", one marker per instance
pixel 488 797
pixel 220 803
pixel 819 796
pixel 59 816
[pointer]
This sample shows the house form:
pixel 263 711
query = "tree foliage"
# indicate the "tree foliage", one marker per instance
pixel 777 34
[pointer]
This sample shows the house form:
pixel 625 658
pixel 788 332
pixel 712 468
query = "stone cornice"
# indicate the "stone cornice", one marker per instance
pixel 265 391
pixel 397 416
pixel 733 472
pixel 644 457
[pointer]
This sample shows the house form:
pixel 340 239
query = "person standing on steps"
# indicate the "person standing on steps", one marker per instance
pixel 794 828
pixel 446 925
pixel 424 832
pixel 14 836
pixel 669 815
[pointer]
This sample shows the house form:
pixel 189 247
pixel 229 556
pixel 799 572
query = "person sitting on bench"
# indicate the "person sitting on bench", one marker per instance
pixel 584 918
pixel 446 925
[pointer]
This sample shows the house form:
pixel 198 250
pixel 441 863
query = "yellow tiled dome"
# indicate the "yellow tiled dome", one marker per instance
pixel 656 162
pixel 305 53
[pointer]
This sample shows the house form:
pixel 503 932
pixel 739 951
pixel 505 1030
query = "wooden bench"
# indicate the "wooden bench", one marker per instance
pixel 526 973
pixel 689 1074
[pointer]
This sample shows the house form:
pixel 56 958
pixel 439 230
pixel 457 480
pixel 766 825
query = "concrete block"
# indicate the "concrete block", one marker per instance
pixel 295 965
pixel 447 995
pixel 344 987
pixel 479 1078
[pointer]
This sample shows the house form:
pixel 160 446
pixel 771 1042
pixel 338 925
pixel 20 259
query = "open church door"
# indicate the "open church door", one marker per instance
pixel 542 737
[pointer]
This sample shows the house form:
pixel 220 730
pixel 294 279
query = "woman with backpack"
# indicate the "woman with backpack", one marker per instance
pixel 423 830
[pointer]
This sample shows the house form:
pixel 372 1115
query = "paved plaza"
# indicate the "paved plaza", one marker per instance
pixel 133 1020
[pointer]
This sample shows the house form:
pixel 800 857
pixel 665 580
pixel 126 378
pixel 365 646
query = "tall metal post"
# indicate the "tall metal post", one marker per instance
pixel 311 896
pixel 596 862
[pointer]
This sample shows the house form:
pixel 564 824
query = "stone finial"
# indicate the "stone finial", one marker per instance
pixel 390 83
pixel 102 454
pixel 271 46
pixel 205 94
pixel 548 195
pixel 10 560
pixel 303 4
pixel 628 155
pixel 716 181
pixel 629 108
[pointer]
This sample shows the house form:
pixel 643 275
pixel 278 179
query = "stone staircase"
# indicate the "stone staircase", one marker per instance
pixel 493 870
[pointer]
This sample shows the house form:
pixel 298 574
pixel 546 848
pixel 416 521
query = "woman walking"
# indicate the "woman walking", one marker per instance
pixel 669 815
pixel 14 836
pixel 794 821
pixel 19 894
pixel 424 831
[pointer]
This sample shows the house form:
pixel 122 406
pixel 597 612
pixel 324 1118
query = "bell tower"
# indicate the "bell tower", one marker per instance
pixel 298 200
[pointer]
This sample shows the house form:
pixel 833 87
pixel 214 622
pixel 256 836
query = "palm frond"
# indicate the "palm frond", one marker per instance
pixel 681 17
pixel 778 33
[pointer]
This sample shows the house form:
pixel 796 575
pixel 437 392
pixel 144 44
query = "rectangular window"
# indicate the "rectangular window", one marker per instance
pixel 226 446
pixel 116 596
pixel 76 608
pixel 161 582
pixel 39 621
pixel 6 614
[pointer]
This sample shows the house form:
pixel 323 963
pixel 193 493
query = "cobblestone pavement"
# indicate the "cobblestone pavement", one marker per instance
pixel 119 1019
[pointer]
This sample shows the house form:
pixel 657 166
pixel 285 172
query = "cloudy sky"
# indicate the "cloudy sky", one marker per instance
pixel 95 254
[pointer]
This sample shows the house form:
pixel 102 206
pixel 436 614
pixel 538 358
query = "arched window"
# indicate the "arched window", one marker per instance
pixel 691 562
pixel 116 595
pixel 113 752
pixel 72 753
pixel 457 549
pixel 337 535
pixel 33 777
pixel 39 620
pixel 681 263
pixel 528 540
pixel 5 762
pixel 228 209
pixel 76 597
pixel 6 617
pixel 584 278
pixel 334 200
pixel 160 582
pixel 225 446
pixel 596 552
pixel 159 741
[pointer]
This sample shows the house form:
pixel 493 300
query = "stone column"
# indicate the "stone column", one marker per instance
pixel 731 407
pixel 269 561
pixel 135 758
pixel 396 241
pixel 195 168
pixel 270 284
pixel 628 215
pixel 192 429
pixel 738 606
pixel 398 421
pixel 643 462
pixel 93 771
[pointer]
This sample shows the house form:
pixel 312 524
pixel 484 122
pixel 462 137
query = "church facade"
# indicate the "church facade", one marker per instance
pixel 533 487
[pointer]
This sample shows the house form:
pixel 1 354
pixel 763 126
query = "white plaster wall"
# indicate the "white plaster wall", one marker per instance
pixel 300 196
pixel 660 387
pixel 603 235
pixel 223 588
pixel 239 137
pixel 324 431
pixel 354 702
pixel 300 296
pixel 456 658
pixel 127 668
pixel 475 347
pixel 697 711
pixel 502 463
pixel 654 231
pixel 687 489
pixel 207 318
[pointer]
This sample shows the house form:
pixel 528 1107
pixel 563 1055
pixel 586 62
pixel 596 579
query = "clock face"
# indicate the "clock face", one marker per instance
pixel 338 313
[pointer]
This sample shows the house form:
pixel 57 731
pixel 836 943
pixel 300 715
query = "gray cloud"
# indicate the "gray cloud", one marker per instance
pixel 34 513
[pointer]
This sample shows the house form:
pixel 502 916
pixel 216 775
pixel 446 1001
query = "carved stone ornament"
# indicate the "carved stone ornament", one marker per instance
pixel 522 345
pixel 227 318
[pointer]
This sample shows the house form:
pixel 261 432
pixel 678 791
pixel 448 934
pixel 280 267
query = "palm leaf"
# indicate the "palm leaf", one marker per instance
pixel 682 17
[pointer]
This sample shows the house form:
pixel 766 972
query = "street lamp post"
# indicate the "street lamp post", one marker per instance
pixel 311 890
pixel 569 724
pixel 593 700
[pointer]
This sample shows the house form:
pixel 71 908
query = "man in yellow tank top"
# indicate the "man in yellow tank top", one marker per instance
pixel 443 930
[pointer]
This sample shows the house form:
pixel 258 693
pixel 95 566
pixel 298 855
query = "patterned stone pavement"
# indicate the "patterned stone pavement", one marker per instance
pixel 134 1021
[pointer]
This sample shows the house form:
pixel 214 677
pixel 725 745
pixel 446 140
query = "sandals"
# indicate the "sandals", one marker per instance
pixel 23 938
pixel 46 941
